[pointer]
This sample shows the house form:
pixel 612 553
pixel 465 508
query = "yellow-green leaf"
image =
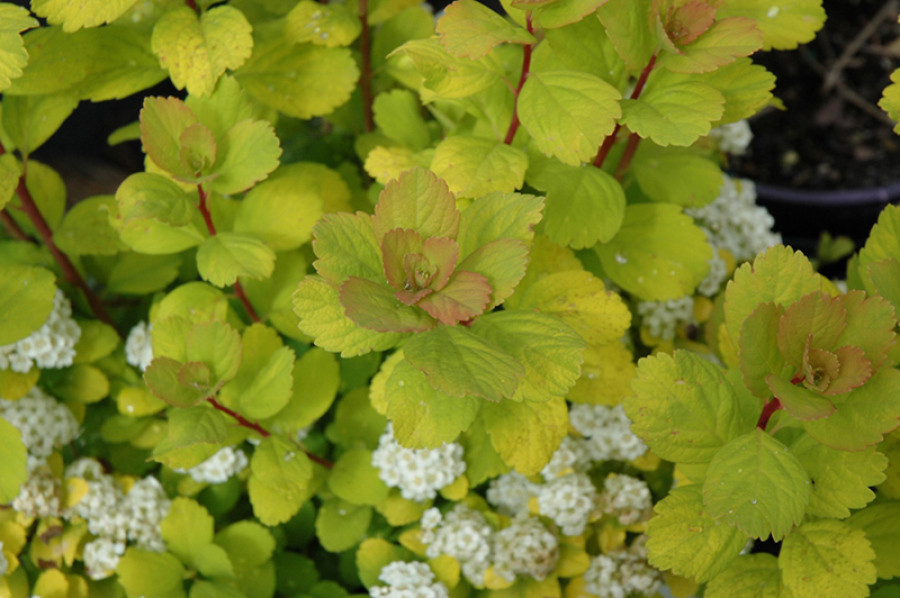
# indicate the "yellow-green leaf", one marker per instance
pixel 145 573
pixel 827 559
pixel 248 152
pixel 330 25
pixel 881 523
pixel 280 478
pixel 476 166
pixel 341 525
pixel 449 76
pixel 356 480
pixel 302 81
pixel 13 57
pixel 526 434
pixel 568 113
pixel 750 575
pixel 889 102
pixel 85 13
pixel 86 229
pixel 784 25
pixel 470 29
pixel 13 458
pixel 398 115
pixel 26 300
pixel 419 201
pixel 197 50
pixel 747 88
pixel 221 259
pixel 31 119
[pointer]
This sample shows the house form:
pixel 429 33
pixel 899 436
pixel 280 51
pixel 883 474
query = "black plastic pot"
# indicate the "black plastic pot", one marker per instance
pixel 802 215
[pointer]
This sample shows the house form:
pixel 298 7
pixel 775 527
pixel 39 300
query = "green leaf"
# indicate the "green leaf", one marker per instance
pixel 10 173
pixel 683 407
pixel 270 389
pixel 226 256
pixel 120 62
pixel 673 109
pixel 502 263
pixel 863 417
pixel 483 462
pixel 375 307
pixel 280 478
pixel 200 429
pixel 97 340
pixel 26 300
pixel 322 317
pixel 13 56
pixel 581 301
pixel 163 123
pixel 248 152
pixel 341 525
pixel 355 480
pixel 331 25
pixel 550 15
pixel 460 362
pixel 750 575
pixel 249 545
pixel 779 275
pixel 423 417
pixel 840 479
pixel 346 246
pixel 146 573
pixel 881 523
pixel 550 351
pixel 656 169
pixel 197 50
pixel 827 559
pixel 721 44
pixel 186 528
pixel 139 274
pixel 31 120
pixel 57 61
pixel 883 242
pixel 889 102
pixel 86 230
pixel 81 382
pixel 446 75
pixel 658 253
pixel 471 29
pixel 372 555
pixel 758 349
pixel 475 166
pixel 498 216
pixel 302 80
pixel 584 204
pixel 568 113
pixel 144 196
pixel 398 115
pixel 526 434
pixel 88 13
pixel 417 200
pixel 885 277
pixel 13 455
pixel 684 538
pixel 784 26
pixel 582 46
pixel 756 484
pixel 356 423
pixel 316 379
pixel 627 25
pixel 747 88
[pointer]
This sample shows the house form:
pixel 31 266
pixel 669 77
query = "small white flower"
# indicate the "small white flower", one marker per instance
pixel 622 573
pixel 570 501
pixel 408 580
pixel 226 463
pixel 733 138
pixel 101 557
pixel 526 547
pixel 42 421
pixel 464 535
pixel 607 432
pixel 4 564
pixel 52 346
pixel 139 346
pixel 626 498
pixel 418 473
pixel 510 493
pixel 662 318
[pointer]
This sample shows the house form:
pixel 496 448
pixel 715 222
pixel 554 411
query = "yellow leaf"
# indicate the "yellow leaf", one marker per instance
pixel 605 375
pixel 400 511
pixel 446 569
pixel 14 386
pixel 51 584
pixel 74 489
pixel 457 489
pixel 197 50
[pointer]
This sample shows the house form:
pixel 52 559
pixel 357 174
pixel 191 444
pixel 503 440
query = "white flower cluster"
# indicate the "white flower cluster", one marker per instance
pixel 526 547
pixel 626 498
pixel 718 272
pixel 418 473
pixel 570 501
pixel 116 516
pixel 40 495
pixel 733 138
pixel 607 432
pixel 510 493
pixel 42 421
pixel 4 564
pixel 408 580
pixel 225 463
pixel 51 346
pixel 622 573
pixel 571 456
pixel 463 534
pixel 734 222
pixel 662 318
pixel 139 346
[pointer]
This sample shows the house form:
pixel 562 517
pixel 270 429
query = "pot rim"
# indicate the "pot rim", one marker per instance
pixel 835 198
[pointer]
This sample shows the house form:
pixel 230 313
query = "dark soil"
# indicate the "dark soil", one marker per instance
pixel 833 135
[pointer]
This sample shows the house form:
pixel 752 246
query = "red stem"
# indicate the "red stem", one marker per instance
pixel 625 161
pixel 243 421
pixel 603 152
pixel 768 409
pixel 526 66
pixel 192 4
pixel 70 273
pixel 365 75
pixel 238 289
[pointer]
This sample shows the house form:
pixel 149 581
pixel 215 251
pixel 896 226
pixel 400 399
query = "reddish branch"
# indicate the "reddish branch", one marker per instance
pixel 70 273
pixel 192 4
pixel 365 75
pixel 12 227
pixel 243 421
pixel 526 66
pixel 238 289
pixel 768 409
pixel 610 140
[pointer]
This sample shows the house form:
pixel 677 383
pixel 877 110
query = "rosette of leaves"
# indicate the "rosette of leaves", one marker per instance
pixel 785 444
pixel 422 275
